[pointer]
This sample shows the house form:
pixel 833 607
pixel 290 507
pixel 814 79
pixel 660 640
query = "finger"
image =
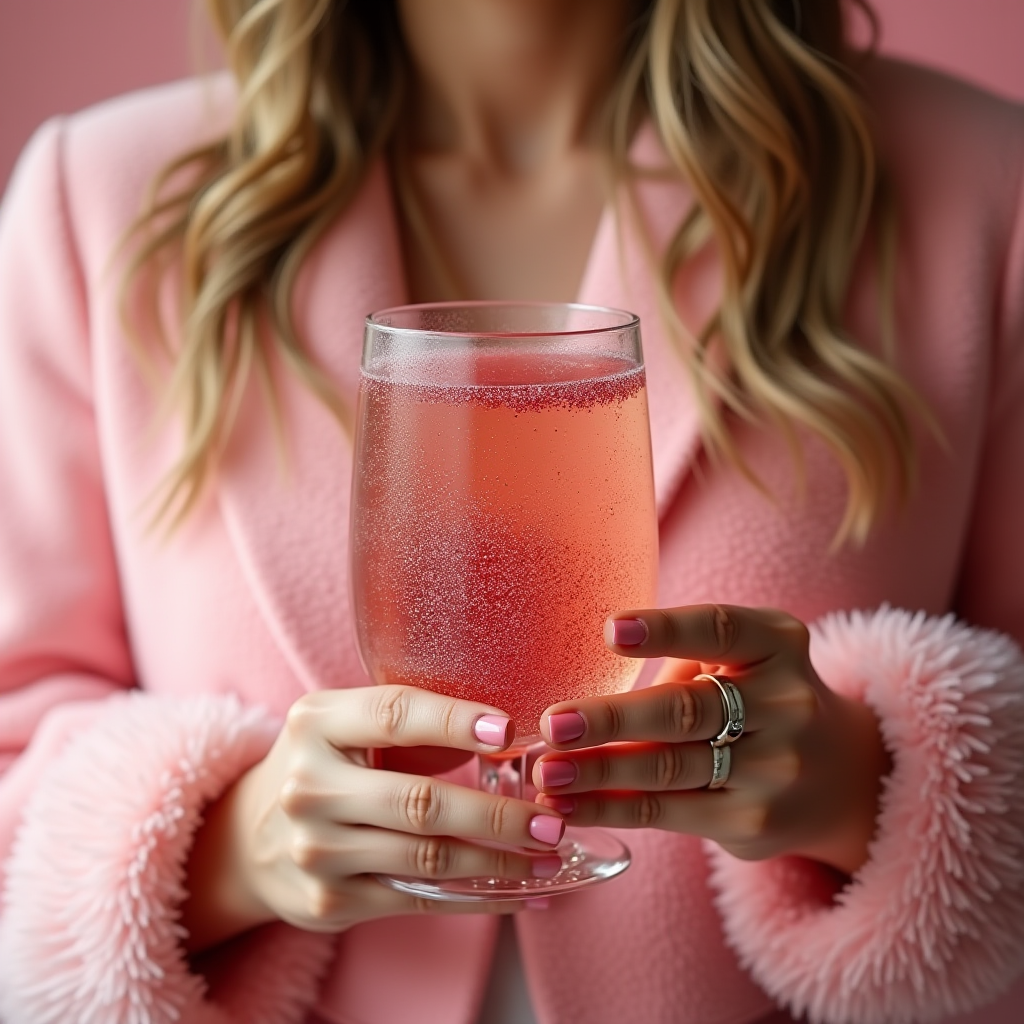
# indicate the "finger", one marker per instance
pixel 399 716
pixel 669 713
pixel 716 633
pixel 725 815
pixel 421 805
pixel 353 850
pixel 646 767
pixel 333 908
pixel 759 763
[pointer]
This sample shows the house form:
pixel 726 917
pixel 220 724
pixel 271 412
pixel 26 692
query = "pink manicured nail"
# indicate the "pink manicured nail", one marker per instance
pixel 562 804
pixel 492 730
pixel 626 632
pixel 546 867
pixel 539 903
pixel 557 773
pixel 546 829
pixel 567 726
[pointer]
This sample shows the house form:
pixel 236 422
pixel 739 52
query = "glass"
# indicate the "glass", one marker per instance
pixel 503 506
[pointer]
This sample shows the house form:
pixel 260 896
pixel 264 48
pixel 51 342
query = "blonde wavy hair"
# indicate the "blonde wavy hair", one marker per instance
pixel 759 112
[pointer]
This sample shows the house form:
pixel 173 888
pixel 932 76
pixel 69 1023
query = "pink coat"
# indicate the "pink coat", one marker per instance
pixel 218 631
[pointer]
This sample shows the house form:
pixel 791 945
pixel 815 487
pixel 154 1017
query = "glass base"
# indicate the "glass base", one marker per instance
pixel 589 857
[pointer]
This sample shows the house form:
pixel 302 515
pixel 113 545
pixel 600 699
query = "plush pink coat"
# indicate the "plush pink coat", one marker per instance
pixel 138 676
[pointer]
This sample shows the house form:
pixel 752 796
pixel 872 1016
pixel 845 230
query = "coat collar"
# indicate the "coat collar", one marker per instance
pixel 286 501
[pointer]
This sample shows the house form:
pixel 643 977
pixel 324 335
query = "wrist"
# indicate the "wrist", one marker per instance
pixel 862 764
pixel 220 903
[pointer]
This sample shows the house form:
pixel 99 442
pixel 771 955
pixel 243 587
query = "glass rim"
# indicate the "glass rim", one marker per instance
pixel 630 320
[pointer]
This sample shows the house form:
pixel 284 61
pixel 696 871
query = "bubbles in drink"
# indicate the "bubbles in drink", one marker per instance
pixel 497 522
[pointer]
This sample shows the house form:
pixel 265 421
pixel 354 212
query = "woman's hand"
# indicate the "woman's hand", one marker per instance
pixel 300 835
pixel 805 775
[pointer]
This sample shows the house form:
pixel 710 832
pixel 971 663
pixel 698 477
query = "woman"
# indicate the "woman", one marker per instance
pixel 203 848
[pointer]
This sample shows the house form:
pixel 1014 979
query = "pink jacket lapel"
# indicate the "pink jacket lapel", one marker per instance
pixel 287 511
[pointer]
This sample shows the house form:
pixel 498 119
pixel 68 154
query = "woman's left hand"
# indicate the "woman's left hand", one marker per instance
pixel 805 775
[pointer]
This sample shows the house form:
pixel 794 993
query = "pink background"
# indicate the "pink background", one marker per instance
pixel 61 55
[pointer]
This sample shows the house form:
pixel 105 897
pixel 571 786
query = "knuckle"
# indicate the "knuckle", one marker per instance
pixel 431 857
pixel 788 768
pixel 323 903
pixel 390 710
pixel 503 865
pixel 796 632
pixel 681 711
pixel 301 716
pixel 757 837
pixel 801 703
pixel 722 627
pixel 615 721
pixel 647 811
pixel 670 767
pixel 450 722
pixel 419 805
pixel 292 797
pixel 598 811
pixel 752 825
pixel 599 771
pixel 499 816
pixel 305 851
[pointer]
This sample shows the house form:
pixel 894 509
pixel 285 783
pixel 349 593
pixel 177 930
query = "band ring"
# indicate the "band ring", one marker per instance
pixel 733 708
pixel 721 765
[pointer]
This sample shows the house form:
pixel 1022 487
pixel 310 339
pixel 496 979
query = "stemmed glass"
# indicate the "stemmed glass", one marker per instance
pixel 503 506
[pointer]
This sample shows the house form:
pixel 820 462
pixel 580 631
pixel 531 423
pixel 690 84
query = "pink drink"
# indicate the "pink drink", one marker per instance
pixel 496 523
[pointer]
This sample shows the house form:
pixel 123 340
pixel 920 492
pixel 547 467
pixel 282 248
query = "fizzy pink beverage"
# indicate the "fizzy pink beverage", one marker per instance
pixel 501 510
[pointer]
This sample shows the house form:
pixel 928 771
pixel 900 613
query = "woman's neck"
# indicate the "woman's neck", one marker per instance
pixel 510 84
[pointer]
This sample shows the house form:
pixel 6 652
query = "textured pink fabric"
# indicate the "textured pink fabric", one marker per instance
pixel 90 929
pixel 62 721
pixel 250 598
pixel 934 922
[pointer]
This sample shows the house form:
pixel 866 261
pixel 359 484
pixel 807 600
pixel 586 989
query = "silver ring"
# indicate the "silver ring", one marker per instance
pixel 721 766
pixel 733 709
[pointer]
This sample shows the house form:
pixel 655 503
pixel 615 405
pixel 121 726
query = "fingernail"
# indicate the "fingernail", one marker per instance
pixel 546 829
pixel 492 730
pixel 625 632
pixel 562 804
pixel 557 773
pixel 567 726
pixel 546 867
pixel 539 903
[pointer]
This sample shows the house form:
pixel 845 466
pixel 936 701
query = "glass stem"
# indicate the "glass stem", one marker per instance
pixel 505 775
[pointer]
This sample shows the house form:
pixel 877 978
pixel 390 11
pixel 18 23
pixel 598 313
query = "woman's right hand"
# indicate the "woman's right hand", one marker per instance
pixel 301 834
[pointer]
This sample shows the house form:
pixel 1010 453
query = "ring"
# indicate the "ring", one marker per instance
pixel 732 706
pixel 721 765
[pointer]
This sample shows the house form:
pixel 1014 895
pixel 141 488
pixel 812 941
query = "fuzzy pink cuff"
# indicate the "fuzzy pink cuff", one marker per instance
pixel 933 924
pixel 90 931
